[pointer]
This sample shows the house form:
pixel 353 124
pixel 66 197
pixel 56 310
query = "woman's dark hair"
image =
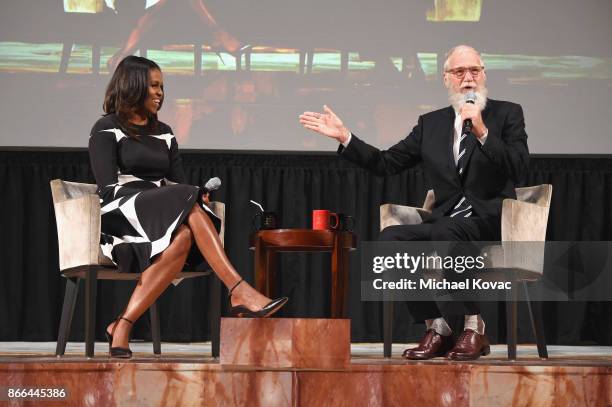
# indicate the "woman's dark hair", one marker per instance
pixel 128 90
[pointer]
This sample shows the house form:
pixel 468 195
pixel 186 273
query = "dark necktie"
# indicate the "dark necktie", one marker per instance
pixel 462 208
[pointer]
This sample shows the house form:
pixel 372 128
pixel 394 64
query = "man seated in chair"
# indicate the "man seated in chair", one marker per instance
pixel 471 173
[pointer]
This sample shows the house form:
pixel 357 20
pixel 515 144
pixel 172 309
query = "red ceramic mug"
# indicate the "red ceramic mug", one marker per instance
pixel 322 219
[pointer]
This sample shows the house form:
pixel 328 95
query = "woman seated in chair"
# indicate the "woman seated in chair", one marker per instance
pixel 148 225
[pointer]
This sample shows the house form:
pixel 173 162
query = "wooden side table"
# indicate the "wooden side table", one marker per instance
pixel 267 243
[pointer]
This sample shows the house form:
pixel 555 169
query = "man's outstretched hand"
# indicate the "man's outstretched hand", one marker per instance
pixel 326 123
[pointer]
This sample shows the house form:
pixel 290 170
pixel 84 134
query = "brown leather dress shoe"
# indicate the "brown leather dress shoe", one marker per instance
pixel 470 345
pixel 432 345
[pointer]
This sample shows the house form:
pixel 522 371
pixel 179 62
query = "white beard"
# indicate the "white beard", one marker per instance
pixel 457 99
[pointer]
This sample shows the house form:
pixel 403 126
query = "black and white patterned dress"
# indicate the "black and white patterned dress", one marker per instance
pixel 140 210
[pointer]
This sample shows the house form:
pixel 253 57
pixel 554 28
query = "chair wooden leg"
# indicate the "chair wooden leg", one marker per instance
pixel 155 331
pixel 387 327
pixel 511 323
pixel 91 286
pixel 535 314
pixel 70 297
pixel 214 315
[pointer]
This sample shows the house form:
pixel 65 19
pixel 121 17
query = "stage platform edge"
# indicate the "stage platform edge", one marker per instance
pixel 369 380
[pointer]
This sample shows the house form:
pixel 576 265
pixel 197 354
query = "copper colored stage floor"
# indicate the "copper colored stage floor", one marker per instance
pixel 185 375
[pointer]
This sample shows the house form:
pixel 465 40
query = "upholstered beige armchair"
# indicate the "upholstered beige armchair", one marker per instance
pixel 523 220
pixel 77 215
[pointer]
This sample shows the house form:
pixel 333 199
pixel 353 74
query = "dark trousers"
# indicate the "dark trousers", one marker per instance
pixel 444 229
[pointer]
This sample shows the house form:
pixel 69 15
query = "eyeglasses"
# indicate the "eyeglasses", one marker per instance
pixel 459 73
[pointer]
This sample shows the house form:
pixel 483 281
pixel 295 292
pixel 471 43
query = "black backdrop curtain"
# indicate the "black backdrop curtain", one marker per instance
pixel 31 288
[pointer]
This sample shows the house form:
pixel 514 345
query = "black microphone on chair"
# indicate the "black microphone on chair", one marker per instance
pixel 470 97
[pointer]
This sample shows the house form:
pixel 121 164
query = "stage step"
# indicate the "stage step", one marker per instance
pixel 286 342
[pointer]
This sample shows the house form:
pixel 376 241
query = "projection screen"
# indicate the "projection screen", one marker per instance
pixel 238 73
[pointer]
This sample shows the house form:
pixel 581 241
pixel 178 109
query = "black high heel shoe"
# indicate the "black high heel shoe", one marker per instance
pixel 121 353
pixel 241 311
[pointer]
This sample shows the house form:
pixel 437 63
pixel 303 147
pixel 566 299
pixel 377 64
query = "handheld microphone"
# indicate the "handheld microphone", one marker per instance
pixel 470 97
pixel 212 185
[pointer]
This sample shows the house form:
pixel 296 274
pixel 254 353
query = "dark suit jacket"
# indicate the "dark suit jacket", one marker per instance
pixel 492 170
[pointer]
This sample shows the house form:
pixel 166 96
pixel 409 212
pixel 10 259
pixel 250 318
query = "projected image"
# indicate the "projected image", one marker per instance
pixel 455 10
pixel 231 65
pixel 97 6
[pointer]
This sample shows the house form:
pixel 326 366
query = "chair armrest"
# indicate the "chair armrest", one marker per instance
pixel 78 231
pixel 523 221
pixel 392 214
